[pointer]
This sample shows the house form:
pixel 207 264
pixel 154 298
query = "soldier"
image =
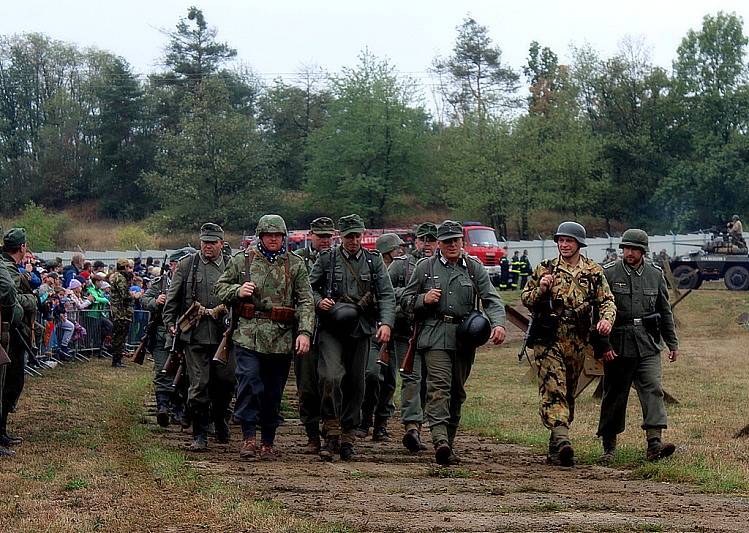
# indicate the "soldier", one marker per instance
pixel 426 240
pixel 380 381
pixel 643 317
pixel 413 384
pixel 443 293
pixel 22 339
pixel 11 314
pixel 736 231
pixel 121 308
pixel 272 288
pixel 321 231
pixel 153 300
pixel 352 293
pixel 211 385
pixel 563 292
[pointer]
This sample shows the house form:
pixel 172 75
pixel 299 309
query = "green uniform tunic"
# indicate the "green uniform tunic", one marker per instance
pixel 638 293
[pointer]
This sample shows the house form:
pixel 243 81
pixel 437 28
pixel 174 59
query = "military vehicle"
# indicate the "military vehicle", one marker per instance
pixel 719 258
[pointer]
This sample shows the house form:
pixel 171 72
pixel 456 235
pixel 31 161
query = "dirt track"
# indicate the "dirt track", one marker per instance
pixel 498 487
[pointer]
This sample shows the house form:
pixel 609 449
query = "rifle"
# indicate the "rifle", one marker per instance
pixel 224 348
pixel 407 363
pixel 542 327
pixel 153 322
pixel 176 355
pixel 383 358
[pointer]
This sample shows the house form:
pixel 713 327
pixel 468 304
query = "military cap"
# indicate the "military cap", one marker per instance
pixel 351 224
pixel 449 229
pixel 14 237
pixel 271 224
pixel 210 232
pixel 387 242
pixel 635 238
pixel 322 226
pixel 426 229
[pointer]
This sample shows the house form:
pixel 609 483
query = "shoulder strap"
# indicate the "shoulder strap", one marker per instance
pixel 249 257
pixel 287 276
pixel 472 274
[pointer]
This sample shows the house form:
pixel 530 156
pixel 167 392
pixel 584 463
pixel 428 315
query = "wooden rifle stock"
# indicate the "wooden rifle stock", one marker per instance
pixel 179 375
pixel 383 358
pixel 407 364
pixel 224 348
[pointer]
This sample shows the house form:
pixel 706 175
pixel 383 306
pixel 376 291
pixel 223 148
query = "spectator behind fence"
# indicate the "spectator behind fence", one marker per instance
pixel 100 310
pixel 60 320
pixel 73 269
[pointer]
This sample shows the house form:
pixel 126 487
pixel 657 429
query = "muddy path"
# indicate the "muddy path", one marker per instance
pixel 498 487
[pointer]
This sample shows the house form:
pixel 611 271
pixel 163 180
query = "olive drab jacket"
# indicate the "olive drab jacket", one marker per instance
pixel 179 297
pixel 24 293
pixel 121 301
pixel 275 286
pixel 440 321
pixel 12 313
pixel 355 276
pixel 574 289
pixel 309 256
pixel 639 293
pixel 401 270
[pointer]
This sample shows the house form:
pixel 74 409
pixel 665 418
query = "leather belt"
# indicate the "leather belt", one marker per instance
pixel 449 319
pixel 630 322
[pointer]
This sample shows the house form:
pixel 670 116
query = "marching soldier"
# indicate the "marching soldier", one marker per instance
pixel 563 293
pixel 443 293
pixel 413 384
pixel 426 240
pixel 321 231
pixel 352 293
pixel 167 401
pixel 192 300
pixel 380 381
pixel 14 250
pixel 121 308
pixel 11 314
pixel 643 318
pixel 276 318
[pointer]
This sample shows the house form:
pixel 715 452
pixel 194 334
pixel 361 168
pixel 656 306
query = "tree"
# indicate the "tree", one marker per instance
pixel 473 80
pixel 372 148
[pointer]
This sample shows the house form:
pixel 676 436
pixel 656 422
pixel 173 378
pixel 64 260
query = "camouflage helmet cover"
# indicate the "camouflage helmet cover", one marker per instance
pixel 122 262
pixel 387 242
pixel 635 238
pixel 271 224
pixel 571 229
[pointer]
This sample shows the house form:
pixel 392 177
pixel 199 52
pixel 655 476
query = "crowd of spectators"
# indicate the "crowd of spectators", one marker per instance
pixel 68 293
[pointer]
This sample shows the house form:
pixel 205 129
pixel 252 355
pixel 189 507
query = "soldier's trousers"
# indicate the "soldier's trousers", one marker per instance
pixel 261 379
pixel 119 336
pixel 343 362
pixel 413 388
pixel 559 368
pixel 308 391
pixel 619 375
pixel 211 384
pixel 162 383
pixel 447 373
pixel 14 380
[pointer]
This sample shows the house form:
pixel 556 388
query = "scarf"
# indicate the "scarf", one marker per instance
pixel 271 256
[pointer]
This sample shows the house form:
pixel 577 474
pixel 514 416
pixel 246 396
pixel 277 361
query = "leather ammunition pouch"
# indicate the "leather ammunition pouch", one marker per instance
pixel 190 318
pixel 247 310
pixel 282 314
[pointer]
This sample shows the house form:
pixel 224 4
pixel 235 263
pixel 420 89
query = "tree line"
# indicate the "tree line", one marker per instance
pixel 617 139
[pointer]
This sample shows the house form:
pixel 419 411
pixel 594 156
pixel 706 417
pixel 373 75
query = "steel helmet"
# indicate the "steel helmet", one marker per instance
pixel 635 238
pixel 343 318
pixel 571 229
pixel 387 242
pixel 271 224
pixel 474 330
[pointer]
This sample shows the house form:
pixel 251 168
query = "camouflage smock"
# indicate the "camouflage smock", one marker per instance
pixel 120 301
pixel 260 334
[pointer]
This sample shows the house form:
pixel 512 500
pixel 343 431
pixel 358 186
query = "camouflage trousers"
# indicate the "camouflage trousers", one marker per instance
pixel 119 336
pixel 559 368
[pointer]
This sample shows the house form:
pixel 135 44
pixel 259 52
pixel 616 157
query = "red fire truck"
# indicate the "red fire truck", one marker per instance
pixel 480 241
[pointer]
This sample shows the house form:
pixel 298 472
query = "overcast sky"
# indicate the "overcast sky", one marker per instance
pixel 278 36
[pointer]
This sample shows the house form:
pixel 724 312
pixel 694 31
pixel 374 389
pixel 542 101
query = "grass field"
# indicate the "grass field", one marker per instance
pixel 90 463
